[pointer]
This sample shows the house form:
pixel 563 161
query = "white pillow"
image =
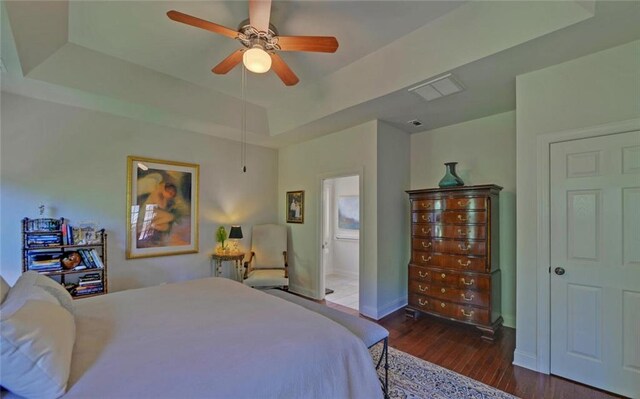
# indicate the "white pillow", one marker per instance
pixel 31 278
pixel 57 290
pixel 23 290
pixel 36 342
pixel 4 288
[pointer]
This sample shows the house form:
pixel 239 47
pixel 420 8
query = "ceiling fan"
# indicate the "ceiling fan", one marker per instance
pixel 261 42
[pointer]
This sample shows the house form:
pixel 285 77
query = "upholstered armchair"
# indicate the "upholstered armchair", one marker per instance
pixel 267 265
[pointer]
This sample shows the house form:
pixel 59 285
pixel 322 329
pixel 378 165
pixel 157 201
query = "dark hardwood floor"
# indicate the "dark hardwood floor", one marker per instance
pixel 460 348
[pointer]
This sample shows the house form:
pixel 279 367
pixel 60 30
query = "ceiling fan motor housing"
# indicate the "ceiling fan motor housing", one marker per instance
pixel 250 37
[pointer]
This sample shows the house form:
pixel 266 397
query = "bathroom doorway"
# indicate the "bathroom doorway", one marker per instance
pixel 341 240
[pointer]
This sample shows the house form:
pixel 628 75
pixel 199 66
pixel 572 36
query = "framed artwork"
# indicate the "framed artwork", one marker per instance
pixel 295 206
pixel 162 207
pixel 348 211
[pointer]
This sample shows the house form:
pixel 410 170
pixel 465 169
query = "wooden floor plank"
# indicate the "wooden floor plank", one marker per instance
pixel 460 348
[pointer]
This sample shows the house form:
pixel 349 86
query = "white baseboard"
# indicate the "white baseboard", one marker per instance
pixel 368 311
pixel 379 313
pixel 527 360
pixel 509 321
pixel 392 306
pixel 303 291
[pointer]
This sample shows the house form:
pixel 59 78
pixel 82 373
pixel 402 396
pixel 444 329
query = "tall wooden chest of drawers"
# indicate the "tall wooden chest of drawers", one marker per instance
pixel 454 271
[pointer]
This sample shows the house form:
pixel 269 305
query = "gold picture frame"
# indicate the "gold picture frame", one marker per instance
pixel 295 206
pixel 162 207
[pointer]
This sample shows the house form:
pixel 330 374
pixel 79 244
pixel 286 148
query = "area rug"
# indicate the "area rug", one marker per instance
pixel 413 378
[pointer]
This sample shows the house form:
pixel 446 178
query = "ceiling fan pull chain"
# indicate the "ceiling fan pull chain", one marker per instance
pixel 243 144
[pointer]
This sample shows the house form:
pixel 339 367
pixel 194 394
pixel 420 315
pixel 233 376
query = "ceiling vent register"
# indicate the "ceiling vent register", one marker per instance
pixel 438 87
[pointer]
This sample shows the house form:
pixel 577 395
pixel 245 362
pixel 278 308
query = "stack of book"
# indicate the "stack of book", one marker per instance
pixel 45 261
pixel 67 234
pixel 43 240
pixel 90 283
pixel 90 258
pixel 44 224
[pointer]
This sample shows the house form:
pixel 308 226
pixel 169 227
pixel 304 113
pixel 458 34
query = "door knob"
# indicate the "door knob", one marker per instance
pixel 559 271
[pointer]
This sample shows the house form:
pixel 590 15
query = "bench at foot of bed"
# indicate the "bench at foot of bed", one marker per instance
pixel 369 332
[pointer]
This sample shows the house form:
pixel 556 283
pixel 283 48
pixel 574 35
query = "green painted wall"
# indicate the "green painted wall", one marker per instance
pixel 593 90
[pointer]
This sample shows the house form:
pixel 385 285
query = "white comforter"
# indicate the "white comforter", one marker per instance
pixel 213 338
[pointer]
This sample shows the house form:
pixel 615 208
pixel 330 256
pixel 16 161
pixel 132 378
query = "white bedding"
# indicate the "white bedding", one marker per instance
pixel 213 338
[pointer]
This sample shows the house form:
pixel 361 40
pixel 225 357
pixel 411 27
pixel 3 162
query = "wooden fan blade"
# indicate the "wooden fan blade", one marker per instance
pixel 201 23
pixel 282 70
pixel 321 44
pixel 229 63
pixel 259 14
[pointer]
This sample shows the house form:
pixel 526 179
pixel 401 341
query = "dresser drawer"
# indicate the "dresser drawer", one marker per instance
pixel 480 282
pixel 450 246
pixel 462 217
pixel 469 263
pixel 461 296
pixel 465 203
pixel 465 232
pixel 442 231
pixel 426 205
pixel 474 203
pixel 418 273
pixel 461 312
pixel 423 244
pixel 478 264
pixel 450 217
pixel 460 247
pixel 421 302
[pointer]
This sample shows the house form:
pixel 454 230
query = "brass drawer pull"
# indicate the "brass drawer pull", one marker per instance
pixel 464 247
pixel 442 305
pixel 463 202
pixel 465 298
pixel 465 282
pixel 443 275
pixel 425 218
pixel 470 314
pixel 464 233
pixel 426 274
pixel 428 245
pixel 425 260
pixel 422 304
pixel 426 204
pixel 466 264
pixel 426 231
pixel 462 218
pixel 423 289
pixel 443 290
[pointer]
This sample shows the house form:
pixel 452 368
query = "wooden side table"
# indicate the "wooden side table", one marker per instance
pixel 217 259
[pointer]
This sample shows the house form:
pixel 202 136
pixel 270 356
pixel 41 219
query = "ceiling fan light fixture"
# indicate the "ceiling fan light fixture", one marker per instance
pixel 256 60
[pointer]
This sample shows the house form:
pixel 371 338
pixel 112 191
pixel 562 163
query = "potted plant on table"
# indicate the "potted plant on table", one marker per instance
pixel 221 237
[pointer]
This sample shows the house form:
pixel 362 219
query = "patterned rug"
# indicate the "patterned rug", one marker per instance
pixel 413 378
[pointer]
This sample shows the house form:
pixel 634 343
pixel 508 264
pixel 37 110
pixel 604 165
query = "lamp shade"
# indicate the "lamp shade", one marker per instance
pixel 235 233
pixel 256 60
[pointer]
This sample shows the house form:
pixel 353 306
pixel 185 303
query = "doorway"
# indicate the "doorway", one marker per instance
pixel 341 240
pixel 595 259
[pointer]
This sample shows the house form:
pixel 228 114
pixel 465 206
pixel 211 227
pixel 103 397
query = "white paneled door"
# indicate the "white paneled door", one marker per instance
pixel 595 261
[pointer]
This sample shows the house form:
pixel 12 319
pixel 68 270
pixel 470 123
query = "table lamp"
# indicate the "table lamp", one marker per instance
pixel 235 234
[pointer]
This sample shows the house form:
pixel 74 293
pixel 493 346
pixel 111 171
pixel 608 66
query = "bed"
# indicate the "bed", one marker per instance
pixel 212 338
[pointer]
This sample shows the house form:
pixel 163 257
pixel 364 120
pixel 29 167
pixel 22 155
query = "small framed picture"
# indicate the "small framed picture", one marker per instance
pixel 295 206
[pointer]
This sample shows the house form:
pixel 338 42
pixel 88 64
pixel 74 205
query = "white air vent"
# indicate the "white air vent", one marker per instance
pixel 439 87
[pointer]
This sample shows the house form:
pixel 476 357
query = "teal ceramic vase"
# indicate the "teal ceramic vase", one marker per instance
pixel 451 179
